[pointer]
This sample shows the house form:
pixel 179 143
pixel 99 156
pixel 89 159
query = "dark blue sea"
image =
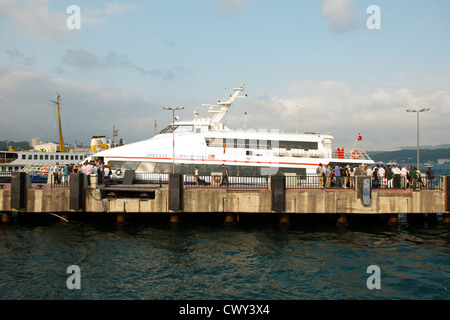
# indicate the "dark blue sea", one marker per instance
pixel 202 259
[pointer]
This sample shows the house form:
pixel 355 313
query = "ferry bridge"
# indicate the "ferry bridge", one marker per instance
pixel 280 196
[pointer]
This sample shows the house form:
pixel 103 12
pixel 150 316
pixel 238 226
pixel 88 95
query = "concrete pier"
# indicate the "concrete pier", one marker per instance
pixel 127 200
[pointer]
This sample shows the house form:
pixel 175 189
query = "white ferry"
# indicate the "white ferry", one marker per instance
pixel 38 163
pixel 207 143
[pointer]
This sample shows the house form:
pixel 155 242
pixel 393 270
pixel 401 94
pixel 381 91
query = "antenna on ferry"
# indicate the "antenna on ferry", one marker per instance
pixel 61 141
pixel 114 135
pixel 245 121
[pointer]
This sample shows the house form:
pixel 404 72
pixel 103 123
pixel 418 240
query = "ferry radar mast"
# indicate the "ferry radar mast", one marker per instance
pixel 61 141
pixel 224 106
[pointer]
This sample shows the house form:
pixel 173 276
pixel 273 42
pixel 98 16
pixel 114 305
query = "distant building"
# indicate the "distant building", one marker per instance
pixel 443 161
pixel 35 141
pixel 47 147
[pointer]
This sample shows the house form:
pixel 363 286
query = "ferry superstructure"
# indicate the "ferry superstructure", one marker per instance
pixel 40 161
pixel 206 142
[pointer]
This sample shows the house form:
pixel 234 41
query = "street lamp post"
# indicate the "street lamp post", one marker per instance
pixel 417 112
pixel 173 133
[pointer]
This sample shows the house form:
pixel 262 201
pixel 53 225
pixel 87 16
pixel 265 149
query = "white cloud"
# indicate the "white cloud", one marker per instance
pixel 34 19
pixel 88 108
pixel 340 14
pixel 83 59
pixel 344 111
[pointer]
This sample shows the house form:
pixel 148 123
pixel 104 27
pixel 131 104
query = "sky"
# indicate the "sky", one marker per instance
pixel 308 66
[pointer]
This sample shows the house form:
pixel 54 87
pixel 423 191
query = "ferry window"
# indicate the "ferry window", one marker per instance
pixel 167 129
pixel 240 143
pixel 46 157
pixel 76 157
pixel 51 157
pixel 67 157
pixel 305 145
pixel 146 166
pixel 30 157
pixel 41 157
pixel 24 157
pixel 71 157
pixel 35 157
pixel 179 129
pixel 229 143
pixel 215 142
pixel 131 165
pixel 253 144
pixel 163 167
pixel 57 157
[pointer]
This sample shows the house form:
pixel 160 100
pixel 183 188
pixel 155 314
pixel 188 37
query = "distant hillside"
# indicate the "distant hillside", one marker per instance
pixel 410 155
pixel 17 145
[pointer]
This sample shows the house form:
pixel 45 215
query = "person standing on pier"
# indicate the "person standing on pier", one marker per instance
pixel 319 174
pixel 56 173
pixel 224 175
pixel 88 170
pixel 430 178
pixel 397 172
pixel 196 175
pixel 328 177
pixel 337 174
pixel 65 176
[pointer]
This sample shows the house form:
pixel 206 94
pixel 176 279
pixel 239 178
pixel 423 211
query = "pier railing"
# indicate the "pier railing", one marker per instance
pixel 313 181
pixel 306 181
pixel 234 182
pixel 204 181
pixel 5 176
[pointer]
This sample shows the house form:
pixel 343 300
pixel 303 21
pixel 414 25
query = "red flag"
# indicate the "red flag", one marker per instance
pixel 359 138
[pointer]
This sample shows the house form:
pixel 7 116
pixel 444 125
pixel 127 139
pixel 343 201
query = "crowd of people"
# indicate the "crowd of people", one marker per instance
pixel 61 174
pixel 382 176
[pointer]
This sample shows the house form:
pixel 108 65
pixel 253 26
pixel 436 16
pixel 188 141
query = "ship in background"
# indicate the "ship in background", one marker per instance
pixel 39 161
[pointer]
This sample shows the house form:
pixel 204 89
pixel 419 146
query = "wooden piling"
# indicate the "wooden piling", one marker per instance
pixel 284 219
pixel 175 218
pixel 393 220
pixel 120 217
pixel 6 217
pixel 446 219
pixel 342 221
pixel 229 219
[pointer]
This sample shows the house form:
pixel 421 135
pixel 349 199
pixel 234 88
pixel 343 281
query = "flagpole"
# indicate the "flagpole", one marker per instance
pixel 359 134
